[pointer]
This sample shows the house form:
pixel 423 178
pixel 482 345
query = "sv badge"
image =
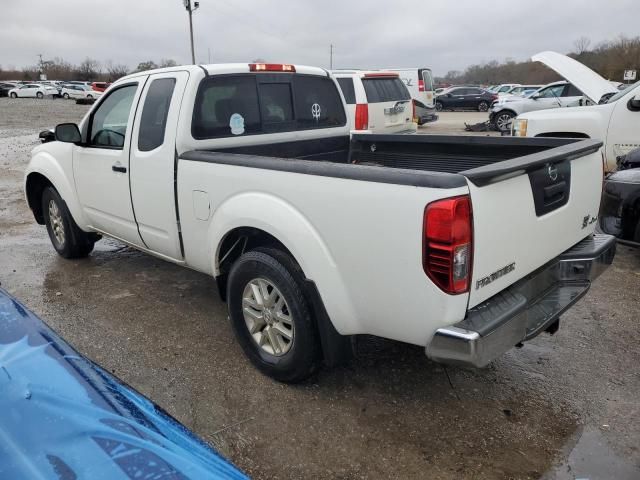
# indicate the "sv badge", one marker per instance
pixel 588 220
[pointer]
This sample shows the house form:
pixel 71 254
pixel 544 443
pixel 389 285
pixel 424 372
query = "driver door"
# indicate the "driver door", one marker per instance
pixel 101 164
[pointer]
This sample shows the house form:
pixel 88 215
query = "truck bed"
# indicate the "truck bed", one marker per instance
pixel 452 158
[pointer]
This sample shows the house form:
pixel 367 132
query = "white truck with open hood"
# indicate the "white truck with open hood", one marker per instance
pixel 582 86
pixel 465 246
pixel 613 118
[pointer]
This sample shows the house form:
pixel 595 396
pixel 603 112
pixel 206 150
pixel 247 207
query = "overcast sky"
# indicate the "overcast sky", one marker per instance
pixel 366 33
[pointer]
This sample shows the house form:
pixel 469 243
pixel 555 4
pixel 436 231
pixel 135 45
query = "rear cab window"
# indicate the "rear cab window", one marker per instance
pixel 385 89
pixel 251 104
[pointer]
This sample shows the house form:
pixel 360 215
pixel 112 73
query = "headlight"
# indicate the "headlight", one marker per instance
pixel 519 127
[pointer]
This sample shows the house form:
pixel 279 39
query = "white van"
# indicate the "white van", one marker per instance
pixel 377 102
pixel 419 81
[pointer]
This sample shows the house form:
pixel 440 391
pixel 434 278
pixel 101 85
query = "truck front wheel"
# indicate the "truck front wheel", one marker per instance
pixel 66 237
pixel 271 316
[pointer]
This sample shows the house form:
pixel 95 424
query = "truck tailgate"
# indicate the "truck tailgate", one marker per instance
pixel 528 210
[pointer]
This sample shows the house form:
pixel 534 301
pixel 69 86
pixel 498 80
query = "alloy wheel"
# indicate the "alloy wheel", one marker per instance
pixel 268 317
pixel 503 121
pixel 57 225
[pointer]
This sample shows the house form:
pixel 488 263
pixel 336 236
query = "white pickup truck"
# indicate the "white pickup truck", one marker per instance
pixel 616 122
pixel 465 246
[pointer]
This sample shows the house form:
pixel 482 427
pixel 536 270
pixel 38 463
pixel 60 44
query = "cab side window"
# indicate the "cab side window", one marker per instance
pixel 109 122
pixel 572 91
pixel 153 122
pixel 552 92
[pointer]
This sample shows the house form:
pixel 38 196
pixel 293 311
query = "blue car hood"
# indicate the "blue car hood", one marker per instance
pixel 64 417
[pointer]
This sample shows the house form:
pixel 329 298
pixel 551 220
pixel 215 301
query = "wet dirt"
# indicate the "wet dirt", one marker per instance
pixel 562 407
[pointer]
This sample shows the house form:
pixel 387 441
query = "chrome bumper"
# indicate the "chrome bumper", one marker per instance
pixel 526 308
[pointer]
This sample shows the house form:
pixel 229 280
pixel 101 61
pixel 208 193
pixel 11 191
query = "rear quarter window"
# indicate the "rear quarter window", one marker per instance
pixel 348 90
pixel 154 114
pixel 317 103
pixel 382 89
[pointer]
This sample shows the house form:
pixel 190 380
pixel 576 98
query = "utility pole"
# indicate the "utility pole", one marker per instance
pixel 41 67
pixel 190 9
pixel 331 56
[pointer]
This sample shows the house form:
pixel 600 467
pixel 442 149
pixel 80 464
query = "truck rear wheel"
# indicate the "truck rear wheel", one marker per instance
pixel 271 316
pixel 65 235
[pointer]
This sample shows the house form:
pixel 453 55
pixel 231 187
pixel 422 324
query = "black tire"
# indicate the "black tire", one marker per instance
pixel 90 97
pixel 503 120
pixel 14 95
pixel 39 95
pixel 636 236
pixel 483 106
pixel 74 243
pixel 65 96
pixel 439 106
pixel 303 357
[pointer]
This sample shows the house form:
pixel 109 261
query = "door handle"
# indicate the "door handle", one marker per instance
pixel 116 167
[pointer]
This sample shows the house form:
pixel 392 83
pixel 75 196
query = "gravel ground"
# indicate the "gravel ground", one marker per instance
pixel 561 407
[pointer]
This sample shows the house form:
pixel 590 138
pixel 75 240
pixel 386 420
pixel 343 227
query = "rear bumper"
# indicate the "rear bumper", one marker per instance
pixel 427 118
pixel 525 309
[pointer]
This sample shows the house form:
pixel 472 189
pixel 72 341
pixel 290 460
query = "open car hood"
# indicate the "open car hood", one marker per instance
pixel 588 81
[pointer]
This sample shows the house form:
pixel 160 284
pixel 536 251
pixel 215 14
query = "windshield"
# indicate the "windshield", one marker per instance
pixel 622 93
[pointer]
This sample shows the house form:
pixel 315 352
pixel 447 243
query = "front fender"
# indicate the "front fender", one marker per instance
pixel 283 221
pixel 590 121
pixel 45 161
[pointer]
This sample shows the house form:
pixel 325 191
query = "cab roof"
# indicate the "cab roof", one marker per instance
pixel 226 68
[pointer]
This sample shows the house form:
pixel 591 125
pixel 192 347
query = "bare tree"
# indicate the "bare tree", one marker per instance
pixel 115 71
pixel 88 69
pixel 148 65
pixel 167 62
pixel 582 45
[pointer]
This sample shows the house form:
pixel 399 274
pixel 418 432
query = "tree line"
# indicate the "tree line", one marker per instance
pixel 88 70
pixel 610 59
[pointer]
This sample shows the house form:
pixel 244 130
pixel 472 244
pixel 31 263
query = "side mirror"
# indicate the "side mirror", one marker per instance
pixel 634 103
pixel 449 95
pixel 68 133
pixel 535 97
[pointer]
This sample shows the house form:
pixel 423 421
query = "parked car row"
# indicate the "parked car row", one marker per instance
pixel 32 90
pixel 41 89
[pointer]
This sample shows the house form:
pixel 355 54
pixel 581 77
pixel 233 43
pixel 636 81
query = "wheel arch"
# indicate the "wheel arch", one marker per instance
pixel 43 171
pixel 507 110
pixel 266 220
pixel 336 349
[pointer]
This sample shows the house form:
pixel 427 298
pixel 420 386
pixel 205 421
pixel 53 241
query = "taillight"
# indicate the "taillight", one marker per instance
pixel 495 97
pixel 362 116
pixel 271 67
pixel 448 243
pixel 421 85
